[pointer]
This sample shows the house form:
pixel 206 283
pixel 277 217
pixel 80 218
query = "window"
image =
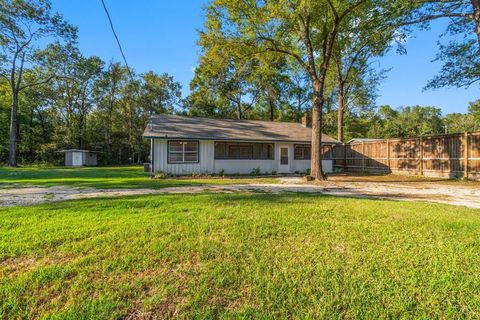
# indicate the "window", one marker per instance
pixel 243 151
pixel 302 152
pixel 182 151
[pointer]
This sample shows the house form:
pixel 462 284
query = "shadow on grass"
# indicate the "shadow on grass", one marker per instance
pixel 101 178
pixel 214 199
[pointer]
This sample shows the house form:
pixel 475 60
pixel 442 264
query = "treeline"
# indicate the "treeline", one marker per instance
pixel 60 99
pixel 271 61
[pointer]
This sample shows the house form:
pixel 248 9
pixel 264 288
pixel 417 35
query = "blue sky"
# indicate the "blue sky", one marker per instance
pixel 160 35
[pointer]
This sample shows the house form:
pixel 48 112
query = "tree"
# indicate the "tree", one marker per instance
pixel 222 76
pixel 408 122
pixel 457 122
pixel 22 24
pixel 303 31
pixel 160 93
pixel 270 79
pixel 108 94
pixel 73 88
pixel 461 55
pixel 355 78
pixel 299 92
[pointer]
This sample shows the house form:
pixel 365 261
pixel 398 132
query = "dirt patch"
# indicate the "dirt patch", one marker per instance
pixel 388 187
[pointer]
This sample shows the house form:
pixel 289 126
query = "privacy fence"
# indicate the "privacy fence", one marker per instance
pixel 449 155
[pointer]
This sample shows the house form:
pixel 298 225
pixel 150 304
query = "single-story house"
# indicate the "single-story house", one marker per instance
pixel 78 158
pixel 185 145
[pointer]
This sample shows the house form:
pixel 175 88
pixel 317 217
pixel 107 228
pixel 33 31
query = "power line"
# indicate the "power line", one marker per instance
pixel 116 38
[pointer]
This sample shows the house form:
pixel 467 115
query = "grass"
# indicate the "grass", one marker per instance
pixel 239 256
pixel 104 178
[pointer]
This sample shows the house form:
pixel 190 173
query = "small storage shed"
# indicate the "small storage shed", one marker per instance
pixel 78 158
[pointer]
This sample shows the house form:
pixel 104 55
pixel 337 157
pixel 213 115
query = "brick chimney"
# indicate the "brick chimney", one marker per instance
pixel 306 121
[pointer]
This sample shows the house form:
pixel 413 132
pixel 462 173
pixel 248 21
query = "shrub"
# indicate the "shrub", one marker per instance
pixel 160 175
pixel 274 172
pixel 221 173
pixel 255 172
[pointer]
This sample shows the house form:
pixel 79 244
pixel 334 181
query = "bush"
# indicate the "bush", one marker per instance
pixel 274 172
pixel 221 173
pixel 255 172
pixel 160 175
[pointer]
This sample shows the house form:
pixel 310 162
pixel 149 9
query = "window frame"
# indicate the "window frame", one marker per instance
pixel 197 142
pixel 227 144
pixel 303 146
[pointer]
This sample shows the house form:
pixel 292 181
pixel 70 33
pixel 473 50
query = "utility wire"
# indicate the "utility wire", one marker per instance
pixel 117 39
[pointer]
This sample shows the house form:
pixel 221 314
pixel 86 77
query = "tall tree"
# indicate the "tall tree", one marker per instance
pixel 304 31
pixel 73 88
pixel 299 92
pixel 352 55
pixel 108 94
pixel 23 23
pixel 160 93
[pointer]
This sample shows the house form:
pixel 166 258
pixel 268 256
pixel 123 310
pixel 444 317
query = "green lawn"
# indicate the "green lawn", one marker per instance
pixel 104 178
pixel 239 256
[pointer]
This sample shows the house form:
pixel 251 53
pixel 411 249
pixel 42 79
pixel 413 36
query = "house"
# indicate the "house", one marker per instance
pixel 78 158
pixel 185 145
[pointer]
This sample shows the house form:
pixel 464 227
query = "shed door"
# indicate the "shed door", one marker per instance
pixel 76 159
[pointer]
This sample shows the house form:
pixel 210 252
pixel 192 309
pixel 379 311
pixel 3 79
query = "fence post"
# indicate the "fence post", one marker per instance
pixel 421 156
pixel 465 151
pixel 344 157
pixel 363 156
pixel 388 156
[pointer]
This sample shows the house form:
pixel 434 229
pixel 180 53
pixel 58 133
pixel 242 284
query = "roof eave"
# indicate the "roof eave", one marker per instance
pixel 163 137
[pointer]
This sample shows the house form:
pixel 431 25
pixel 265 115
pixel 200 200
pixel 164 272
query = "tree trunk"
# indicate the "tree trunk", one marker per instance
pixel 30 134
pixel 272 108
pixel 299 108
pixel 341 109
pixel 108 134
pixel 316 158
pixel 80 126
pixel 12 157
pixel 239 110
pixel 476 19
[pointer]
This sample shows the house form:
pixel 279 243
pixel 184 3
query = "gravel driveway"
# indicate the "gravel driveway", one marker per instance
pixel 454 194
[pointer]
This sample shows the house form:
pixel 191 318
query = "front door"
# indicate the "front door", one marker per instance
pixel 284 161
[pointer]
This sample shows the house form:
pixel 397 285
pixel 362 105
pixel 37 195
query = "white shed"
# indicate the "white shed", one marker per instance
pixel 78 158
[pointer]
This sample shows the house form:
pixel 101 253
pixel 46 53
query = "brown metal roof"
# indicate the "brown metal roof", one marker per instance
pixel 179 127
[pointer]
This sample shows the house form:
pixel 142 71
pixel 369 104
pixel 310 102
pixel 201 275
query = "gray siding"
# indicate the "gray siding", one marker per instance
pixel 90 159
pixel 205 164
pixel 68 159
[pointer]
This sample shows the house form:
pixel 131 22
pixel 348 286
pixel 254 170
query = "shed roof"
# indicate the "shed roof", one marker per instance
pixel 180 127
pixel 78 150
pixel 364 140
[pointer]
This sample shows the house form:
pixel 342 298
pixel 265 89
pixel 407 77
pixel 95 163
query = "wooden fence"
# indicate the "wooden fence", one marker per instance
pixel 449 155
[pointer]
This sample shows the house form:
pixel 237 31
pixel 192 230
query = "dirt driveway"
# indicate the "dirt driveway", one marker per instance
pixel 386 187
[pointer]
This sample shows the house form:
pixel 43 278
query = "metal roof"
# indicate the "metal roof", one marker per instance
pixel 180 127
pixel 78 150
pixel 364 140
